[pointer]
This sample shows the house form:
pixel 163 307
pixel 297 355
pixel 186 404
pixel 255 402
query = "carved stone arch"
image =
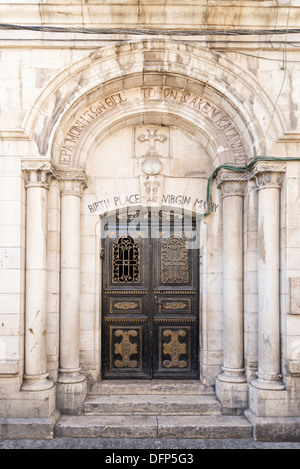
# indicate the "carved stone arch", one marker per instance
pixel 187 68
pixel 216 147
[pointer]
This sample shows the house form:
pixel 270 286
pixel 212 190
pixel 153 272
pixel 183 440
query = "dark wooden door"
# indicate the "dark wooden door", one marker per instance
pixel 150 309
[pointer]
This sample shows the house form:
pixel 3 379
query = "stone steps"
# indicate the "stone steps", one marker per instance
pixel 122 387
pixel 151 426
pixel 155 404
pixel 152 409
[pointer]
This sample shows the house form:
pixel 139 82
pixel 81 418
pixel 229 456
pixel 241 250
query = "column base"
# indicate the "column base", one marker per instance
pixel 232 375
pixel 233 396
pixel 71 390
pixel 272 415
pixel 270 382
pixel 41 428
pixel 70 375
pixel 36 382
pixel 29 413
pixel 274 428
pixel 271 402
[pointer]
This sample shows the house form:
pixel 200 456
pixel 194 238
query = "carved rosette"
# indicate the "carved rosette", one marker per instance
pixel 268 176
pixel 38 173
pixel 72 183
pixel 232 184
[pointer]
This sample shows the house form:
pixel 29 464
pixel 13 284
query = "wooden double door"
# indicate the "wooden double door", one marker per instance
pixel 150 306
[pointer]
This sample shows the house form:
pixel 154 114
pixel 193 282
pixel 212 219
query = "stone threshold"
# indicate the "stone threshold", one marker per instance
pixel 151 404
pixel 148 426
pixel 149 387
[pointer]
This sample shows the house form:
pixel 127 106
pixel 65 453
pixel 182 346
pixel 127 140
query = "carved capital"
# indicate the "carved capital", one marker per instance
pixel 232 184
pixel 72 183
pixel 38 173
pixel 268 176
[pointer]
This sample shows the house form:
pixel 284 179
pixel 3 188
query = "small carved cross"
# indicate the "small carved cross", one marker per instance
pixel 152 190
pixel 152 137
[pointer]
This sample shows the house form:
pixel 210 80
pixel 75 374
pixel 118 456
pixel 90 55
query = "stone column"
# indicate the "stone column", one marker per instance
pixel 37 179
pixel 71 382
pixel 233 188
pixel 268 182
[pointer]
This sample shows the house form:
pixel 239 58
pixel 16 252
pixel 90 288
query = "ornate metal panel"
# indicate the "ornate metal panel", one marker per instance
pixel 126 261
pixel 121 305
pixel 174 304
pixel 174 348
pixel 150 303
pixel 174 261
pixel 125 348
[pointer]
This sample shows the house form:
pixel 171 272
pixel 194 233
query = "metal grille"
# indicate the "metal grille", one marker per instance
pixel 174 261
pixel 126 261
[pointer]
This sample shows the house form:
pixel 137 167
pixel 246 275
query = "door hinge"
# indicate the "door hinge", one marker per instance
pixel 102 253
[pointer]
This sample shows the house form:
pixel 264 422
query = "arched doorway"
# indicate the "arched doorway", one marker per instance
pixel 150 301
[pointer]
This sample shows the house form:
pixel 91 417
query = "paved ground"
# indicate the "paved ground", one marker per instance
pixel 141 444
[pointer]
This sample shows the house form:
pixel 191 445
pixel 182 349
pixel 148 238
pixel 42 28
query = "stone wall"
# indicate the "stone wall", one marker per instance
pixel 77 103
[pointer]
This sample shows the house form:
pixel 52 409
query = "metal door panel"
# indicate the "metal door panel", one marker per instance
pixel 150 304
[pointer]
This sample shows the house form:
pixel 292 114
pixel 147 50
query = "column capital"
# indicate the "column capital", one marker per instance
pixel 268 175
pixel 38 172
pixel 231 183
pixel 72 182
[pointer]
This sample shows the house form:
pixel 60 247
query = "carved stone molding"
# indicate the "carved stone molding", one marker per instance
pixel 232 184
pixel 268 176
pixel 38 173
pixel 72 182
pixel 152 189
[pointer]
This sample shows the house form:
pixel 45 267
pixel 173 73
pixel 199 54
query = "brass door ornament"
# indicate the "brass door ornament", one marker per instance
pixel 174 348
pixel 125 305
pixel 125 349
pixel 174 305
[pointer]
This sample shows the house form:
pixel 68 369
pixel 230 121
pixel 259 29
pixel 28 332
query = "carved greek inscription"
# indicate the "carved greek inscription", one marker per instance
pixel 101 107
pixel 94 111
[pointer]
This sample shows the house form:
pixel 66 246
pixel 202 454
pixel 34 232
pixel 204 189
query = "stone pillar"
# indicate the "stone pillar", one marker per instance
pixel 228 384
pixel 71 382
pixel 268 182
pixel 37 178
pixel 267 396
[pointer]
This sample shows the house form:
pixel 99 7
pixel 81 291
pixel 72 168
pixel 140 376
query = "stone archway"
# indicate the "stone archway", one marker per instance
pixel 150 66
pixel 150 82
